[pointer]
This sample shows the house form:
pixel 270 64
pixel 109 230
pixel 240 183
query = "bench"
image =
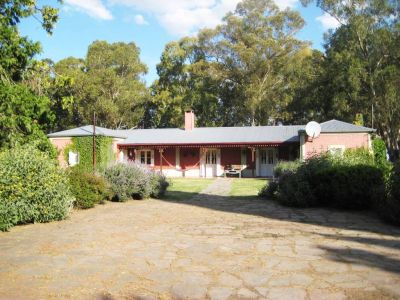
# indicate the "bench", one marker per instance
pixel 234 170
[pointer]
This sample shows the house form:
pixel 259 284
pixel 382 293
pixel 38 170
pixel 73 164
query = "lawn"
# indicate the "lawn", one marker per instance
pixel 247 187
pixel 185 188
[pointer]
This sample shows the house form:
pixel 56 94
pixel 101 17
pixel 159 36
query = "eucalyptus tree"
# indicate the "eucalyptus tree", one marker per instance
pixel 362 64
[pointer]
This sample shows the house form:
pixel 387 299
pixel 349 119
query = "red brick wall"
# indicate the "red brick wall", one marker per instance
pixel 321 144
pixel 230 156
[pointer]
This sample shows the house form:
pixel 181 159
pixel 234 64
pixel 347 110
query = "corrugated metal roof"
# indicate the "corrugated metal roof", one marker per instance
pixel 88 131
pixel 215 135
pixel 211 135
pixel 335 126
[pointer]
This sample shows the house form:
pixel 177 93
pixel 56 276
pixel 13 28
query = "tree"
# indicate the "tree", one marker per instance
pixel 107 82
pixel 16 52
pixel 239 73
pixel 362 64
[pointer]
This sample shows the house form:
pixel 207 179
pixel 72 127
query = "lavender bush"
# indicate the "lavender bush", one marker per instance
pixel 132 181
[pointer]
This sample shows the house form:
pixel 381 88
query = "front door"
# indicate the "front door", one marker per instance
pixel 211 163
pixel 268 159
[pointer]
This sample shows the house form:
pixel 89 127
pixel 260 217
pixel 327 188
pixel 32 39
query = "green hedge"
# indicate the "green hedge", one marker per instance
pixel 350 181
pixel 32 188
pixel 389 209
pixel 89 189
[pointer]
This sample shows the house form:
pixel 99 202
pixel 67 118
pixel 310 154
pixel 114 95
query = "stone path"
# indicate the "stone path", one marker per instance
pixel 209 247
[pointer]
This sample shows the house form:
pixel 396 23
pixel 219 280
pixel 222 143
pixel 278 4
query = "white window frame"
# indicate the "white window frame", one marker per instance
pixel 70 155
pixel 336 149
pixel 139 155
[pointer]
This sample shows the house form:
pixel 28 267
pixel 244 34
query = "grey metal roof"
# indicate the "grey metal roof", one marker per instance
pixel 211 135
pixel 335 126
pixel 214 135
pixel 88 131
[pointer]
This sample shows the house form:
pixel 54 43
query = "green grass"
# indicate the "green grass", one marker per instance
pixel 247 187
pixel 185 188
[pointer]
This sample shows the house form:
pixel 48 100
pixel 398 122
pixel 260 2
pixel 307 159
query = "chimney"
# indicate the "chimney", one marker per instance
pixel 189 120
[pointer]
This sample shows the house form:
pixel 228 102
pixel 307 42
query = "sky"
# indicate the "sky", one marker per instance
pixel 150 24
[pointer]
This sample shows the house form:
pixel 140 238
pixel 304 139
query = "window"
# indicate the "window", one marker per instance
pixel 146 157
pixel 263 155
pixel 336 149
pixel 211 157
pixel 270 156
pixel 73 158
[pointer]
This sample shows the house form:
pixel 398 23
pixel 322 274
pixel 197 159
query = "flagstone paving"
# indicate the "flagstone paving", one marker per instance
pixel 209 247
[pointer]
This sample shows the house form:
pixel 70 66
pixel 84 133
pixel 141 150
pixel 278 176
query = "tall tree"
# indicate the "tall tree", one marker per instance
pixel 241 70
pixel 107 82
pixel 362 64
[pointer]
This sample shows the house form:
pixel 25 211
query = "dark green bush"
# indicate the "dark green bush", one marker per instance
pixel 269 190
pixel 349 181
pixel 389 208
pixel 89 189
pixel 32 188
pixel 348 186
pixel 131 181
pixel 284 166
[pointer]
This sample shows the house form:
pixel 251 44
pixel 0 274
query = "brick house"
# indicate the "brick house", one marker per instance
pixel 207 151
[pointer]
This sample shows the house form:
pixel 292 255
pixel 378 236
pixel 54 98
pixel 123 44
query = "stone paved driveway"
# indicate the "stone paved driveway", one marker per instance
pixel 211 246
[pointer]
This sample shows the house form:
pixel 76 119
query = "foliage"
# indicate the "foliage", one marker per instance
pixel 108 82
pixel 269 190
pixel 389 209
pixel 32 188
pixel 350 181
pixel 131 181
pixel 284 166
pixel 379 148
pixel 361 70
pixel 23 117
pixel 89 189
pixel 16 52
pixel 84 147
pixel 240 72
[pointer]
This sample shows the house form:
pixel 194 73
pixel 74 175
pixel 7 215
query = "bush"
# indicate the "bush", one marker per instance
pixel 349 181
pixel 131 181
pixel 389 209
pixel 89 189
pixel 286 166
pixel 32 188
pixel 269 190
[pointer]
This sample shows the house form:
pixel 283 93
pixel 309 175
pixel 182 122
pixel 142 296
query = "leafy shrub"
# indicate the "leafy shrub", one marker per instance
pixel 379 148
pixel 350 181
pixel 269 190
pixel 284 166
pixel 32 188
pixel 131 181
pixel 89 189
pixel 389 209
pixel 349 186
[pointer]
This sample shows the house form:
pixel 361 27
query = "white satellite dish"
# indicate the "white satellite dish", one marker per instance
pixel 313 129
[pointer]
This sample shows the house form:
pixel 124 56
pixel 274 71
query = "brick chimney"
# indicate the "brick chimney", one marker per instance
pixel 189 120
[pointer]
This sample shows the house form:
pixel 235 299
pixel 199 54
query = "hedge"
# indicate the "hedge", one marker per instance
pixel 32 188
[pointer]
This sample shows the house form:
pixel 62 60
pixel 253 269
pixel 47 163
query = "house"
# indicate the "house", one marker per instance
pixel 206 151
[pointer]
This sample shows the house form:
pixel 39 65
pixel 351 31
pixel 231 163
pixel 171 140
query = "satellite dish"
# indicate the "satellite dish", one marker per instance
pixel 313 129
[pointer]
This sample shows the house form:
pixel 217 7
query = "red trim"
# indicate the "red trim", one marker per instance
pixel 206 144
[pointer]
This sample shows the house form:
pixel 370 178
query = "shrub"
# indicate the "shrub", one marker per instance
pixel 350 181
pixel 389 209
pixel 286 166
pixel 89 189
pixel 32 188
pixel 131 181
pixel 269 190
